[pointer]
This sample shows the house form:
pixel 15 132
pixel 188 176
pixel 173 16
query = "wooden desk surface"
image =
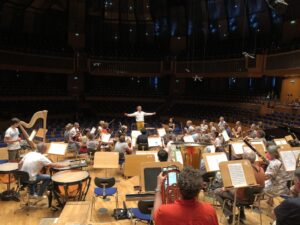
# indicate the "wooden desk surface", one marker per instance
pixel 75 213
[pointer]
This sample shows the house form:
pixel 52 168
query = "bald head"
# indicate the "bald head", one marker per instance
pixel 41 147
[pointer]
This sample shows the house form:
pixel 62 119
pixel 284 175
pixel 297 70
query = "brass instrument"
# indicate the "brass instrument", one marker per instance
pixel 41 133
pixel 170 190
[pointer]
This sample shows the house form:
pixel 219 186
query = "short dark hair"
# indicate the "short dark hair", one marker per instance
pixel 14 121
pixel 162 155
pixel 143 131
pixel 189 183
pixel 122 138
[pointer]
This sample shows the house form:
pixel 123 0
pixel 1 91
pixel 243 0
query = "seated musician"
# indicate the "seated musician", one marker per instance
pixel 188 210
pixel 276 175
pixel 218 141
pixel 221 124
pixel 92 144
pixel 212 127
pixel 123 131
pixel 189 128
pixel 162 155
pixel 237 130
pixel 105 129
pixel 252 133
pixel 242 193
pixel 171 125
pixel 33 162
pixel 68 127
pixel 204 126
pixel 100 127
pixel 12 140
pixel 84 140
pixel 228 130
pixel 142 140
pixel 122 147
pixel 287 213
pixel 74 138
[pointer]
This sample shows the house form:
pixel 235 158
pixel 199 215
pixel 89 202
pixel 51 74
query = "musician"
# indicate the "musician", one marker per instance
pixel 92 145
pixel 84 140
pixel 74 138
pixel 204 126
pixel 105 128
pixel 33 162
pixel 171 125
pixel 100 127
pixel 170 139
pixel 212 127
pixel 139 117
pixel 287 213
pixel 12 139
pixel 188 210
pixel 75 132
pixel 142 140
pixel 189 127
pixel 123 131
pixel 252 133
pixel 228 130
pixel 68 127
pixel 221 124
pixel 218 141
pixel 276 175
pixel 122 147
pixel 237 130
pixel 222 194
pixel 162 155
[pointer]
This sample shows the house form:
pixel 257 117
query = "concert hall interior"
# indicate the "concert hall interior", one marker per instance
pixel 165 112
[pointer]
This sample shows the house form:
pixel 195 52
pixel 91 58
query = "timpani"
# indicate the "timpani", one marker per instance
pixel 6 176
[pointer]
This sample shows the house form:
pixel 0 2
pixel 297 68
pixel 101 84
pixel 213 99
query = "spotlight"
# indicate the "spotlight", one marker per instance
pixel 197 78
pixel 274 3
pixel 187 70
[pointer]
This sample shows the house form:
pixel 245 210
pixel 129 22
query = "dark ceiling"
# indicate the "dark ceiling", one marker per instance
pixel 188 29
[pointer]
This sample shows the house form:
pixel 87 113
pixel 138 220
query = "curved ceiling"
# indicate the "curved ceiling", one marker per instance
pixel 186 29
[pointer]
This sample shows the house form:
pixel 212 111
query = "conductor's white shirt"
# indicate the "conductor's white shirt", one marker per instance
pixel 139 116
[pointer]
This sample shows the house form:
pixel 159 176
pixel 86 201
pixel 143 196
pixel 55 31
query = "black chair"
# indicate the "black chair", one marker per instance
pixel 143 212
pixel 104 188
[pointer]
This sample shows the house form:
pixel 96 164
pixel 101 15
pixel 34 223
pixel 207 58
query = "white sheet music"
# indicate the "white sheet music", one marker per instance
pixel 178 157
pixel 238 148
pixel 133 142
pixel 93 130
pixel 57 148
pixel 214 160
pixel 32 135
pixel 280 142
pixel 288 160
pixel 154 141
pixel 188 138
pixel 237 175
pixel 296 153
pixel 105 138
pixel 225 135
pixel 161 132
pixel 135 133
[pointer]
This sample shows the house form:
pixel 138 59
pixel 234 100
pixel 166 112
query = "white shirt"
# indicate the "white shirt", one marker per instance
pixel 33 162
pixel 139 116
pixel 204 127
pixel 221 125
pixel 13 135
pixel 73 131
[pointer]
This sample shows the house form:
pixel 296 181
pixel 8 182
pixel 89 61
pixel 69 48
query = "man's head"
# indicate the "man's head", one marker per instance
pixel 189 183
pixel 273 151
pixel 41 147
pixel 122 138
pixel 14 122
pixel 143 131
pixel 139 108
pixel 162 155
pixel 238 123
pixel 260 134
pixel 250 155
pixel 221 119
pixel 189 123
pixel 101 122
pixel 76 125
pixel 253 126
pixel 297 180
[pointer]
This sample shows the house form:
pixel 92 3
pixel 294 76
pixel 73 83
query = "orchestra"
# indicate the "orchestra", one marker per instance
pixel 206 138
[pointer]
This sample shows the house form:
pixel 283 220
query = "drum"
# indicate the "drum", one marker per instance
pixel 191 154
pixel 70 185
pixel 69 164
pixel 6 170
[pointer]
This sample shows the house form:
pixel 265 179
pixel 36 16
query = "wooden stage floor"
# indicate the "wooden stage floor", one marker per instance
pixel 9 216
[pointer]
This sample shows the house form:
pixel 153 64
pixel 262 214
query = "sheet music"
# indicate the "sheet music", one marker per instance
pixel 214 160
pixel 58 148
pixel 32 135
pixel 238 148
pixel 161 132
pixel 237 175
pixel 93 130
pixel 178 157
pixel 280 142
pixel 225 136
pixel 296 153
pixel 135 133
pixel 154 141
pixel 188 138
pixel 288 160
pixel 105 138
pixel 133 142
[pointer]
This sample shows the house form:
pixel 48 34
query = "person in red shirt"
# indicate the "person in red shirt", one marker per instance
pixel 188 210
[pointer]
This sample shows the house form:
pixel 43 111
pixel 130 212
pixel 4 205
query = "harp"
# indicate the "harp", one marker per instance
pixel 36 131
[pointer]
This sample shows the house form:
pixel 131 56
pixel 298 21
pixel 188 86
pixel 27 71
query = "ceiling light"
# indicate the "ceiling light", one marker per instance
pixel 293 22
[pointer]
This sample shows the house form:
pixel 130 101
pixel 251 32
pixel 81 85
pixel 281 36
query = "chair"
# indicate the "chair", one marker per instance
pixel 104 189
pixel 143 212
pixel 23 183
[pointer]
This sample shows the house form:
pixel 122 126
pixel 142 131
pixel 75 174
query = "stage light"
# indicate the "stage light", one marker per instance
pixel 248 55
pixel 293 22
pixel 130 30
pixel 75 78
pixel 130 8
pixel 76 34
pixel 116 37
pixel 178 38
pixel 187 70
pixel 146 33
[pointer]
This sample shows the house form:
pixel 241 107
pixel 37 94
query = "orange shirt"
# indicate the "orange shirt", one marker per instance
pixel 186 212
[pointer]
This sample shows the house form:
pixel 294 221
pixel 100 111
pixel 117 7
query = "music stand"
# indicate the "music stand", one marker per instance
pixel 57 149
pixel 106 160
pixel 237 174
pixel 212 160
pixel 154 153
pixel 133 163
pixel 289 158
